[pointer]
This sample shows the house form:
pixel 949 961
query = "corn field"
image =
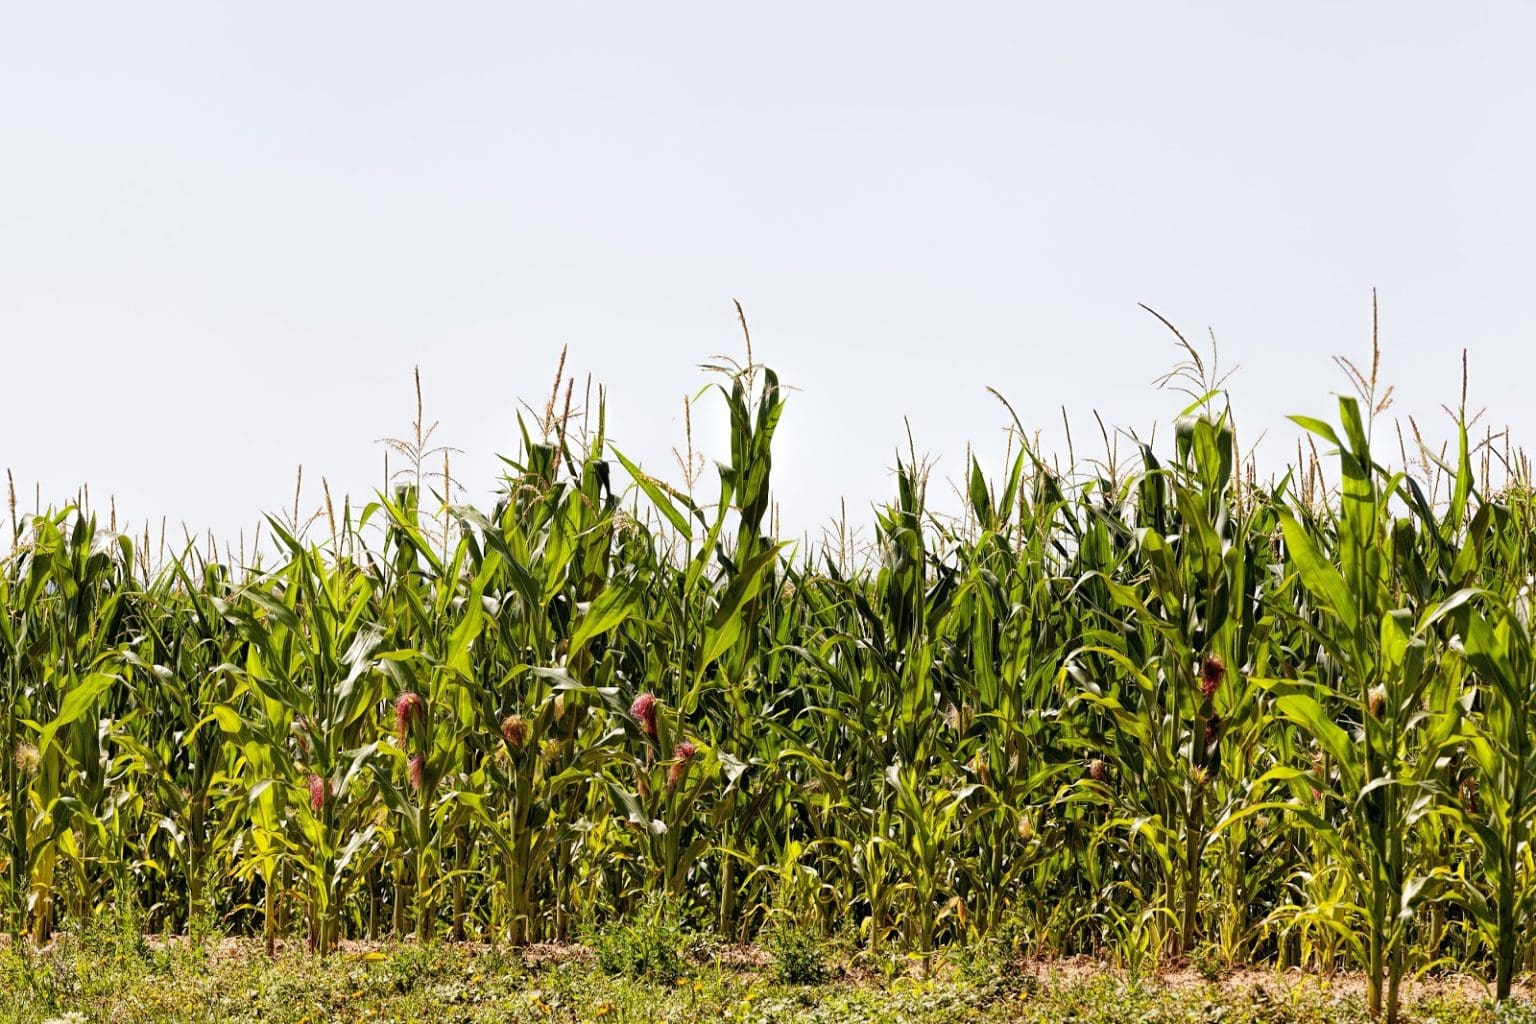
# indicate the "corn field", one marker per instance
pixel 1138 708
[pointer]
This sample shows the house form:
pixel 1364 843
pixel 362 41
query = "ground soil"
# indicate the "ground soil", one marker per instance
pixel 1049 972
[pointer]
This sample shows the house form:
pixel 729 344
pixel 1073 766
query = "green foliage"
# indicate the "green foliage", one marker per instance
pixel 1515 1013
pixel 1145 708
pixel 649 945
pixel 798 955
pixel 469 986
pixel 1207 961
pixel 409 967
pixel 993 968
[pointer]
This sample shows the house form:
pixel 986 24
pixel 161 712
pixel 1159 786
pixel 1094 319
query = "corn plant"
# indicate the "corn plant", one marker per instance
pixel 1137 707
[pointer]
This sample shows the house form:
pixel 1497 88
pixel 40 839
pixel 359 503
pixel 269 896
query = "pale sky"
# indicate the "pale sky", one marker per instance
pixel 228 232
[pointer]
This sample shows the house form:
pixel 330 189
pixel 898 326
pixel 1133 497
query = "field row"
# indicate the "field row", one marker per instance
pixel 1148 709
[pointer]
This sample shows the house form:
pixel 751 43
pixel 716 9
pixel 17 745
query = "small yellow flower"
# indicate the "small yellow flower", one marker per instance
pixel 374 957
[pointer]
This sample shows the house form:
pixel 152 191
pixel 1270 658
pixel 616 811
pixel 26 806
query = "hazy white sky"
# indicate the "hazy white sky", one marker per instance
pixel 228 232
